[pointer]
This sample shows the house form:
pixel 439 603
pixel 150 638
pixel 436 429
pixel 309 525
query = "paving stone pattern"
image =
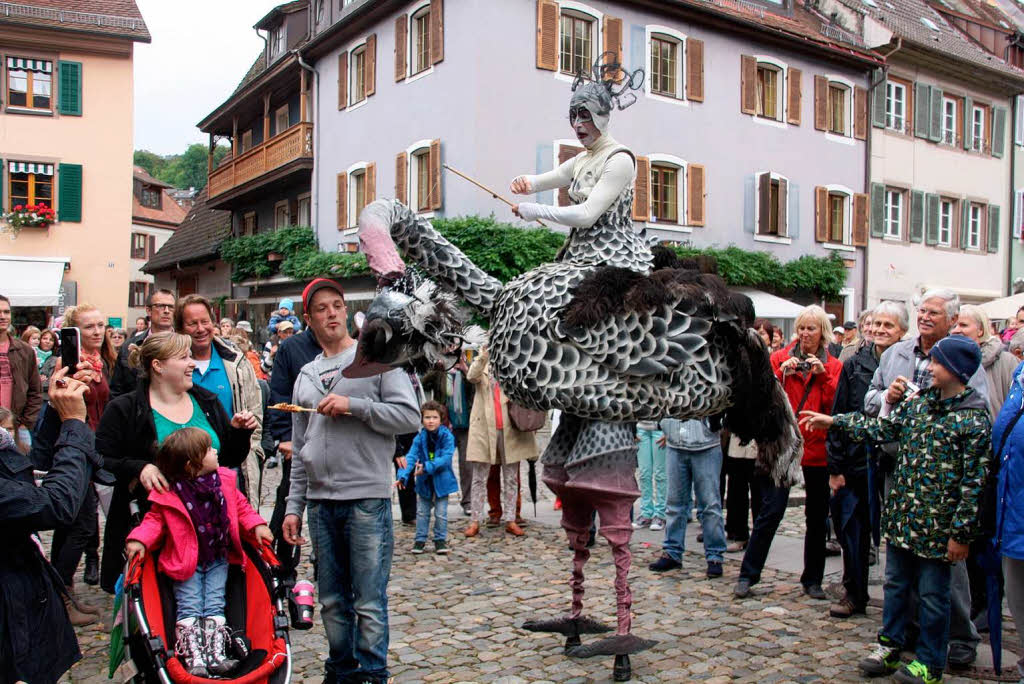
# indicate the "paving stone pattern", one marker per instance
pixel 456 619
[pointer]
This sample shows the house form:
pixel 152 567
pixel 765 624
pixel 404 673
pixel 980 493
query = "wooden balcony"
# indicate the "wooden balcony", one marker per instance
pixel 294 144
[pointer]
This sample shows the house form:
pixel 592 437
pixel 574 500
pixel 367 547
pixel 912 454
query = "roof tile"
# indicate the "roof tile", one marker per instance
pixel 197 239
pixel 110 17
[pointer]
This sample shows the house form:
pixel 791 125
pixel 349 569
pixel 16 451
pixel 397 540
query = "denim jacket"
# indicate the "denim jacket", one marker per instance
pixel 689 435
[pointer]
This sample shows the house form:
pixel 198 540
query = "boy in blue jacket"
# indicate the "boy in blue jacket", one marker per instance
pixel 430 460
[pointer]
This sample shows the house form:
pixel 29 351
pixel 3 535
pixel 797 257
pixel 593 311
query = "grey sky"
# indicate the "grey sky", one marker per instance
pixel 200 51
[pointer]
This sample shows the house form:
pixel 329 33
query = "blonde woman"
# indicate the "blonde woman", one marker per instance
pixel 136 423
pixel 809 376
pixel 998 363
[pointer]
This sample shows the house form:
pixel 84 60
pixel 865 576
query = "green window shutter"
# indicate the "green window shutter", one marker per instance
pixel 69 193
pixel 880 92
pixel 965 220
pixel 69 84
pixel 998 130
pixel 916 215
pixel 968 106
pixel 877 210
pixel 993 228
pixel 936 119
pixel 922 110
pixel 931 236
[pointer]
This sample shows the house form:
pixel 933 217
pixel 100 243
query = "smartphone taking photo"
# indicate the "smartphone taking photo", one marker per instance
pixel 70 346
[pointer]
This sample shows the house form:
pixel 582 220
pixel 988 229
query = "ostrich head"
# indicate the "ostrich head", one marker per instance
pixel 411 322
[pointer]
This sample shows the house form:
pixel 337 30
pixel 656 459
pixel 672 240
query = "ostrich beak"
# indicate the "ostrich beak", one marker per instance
pixel 373 339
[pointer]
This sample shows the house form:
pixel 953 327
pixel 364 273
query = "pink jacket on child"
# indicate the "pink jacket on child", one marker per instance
pixel 168 524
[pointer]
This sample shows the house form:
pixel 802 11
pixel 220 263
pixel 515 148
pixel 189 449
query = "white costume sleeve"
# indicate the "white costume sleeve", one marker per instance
pixel 617 175
pixel 559 177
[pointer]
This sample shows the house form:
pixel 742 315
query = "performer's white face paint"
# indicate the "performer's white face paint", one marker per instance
pixel 583 124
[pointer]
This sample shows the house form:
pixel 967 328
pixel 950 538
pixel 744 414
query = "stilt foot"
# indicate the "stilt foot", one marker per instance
pixel 569 626
pixel 620 644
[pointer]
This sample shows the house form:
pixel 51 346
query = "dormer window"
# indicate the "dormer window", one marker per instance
pixel 150 197
pixel 276 42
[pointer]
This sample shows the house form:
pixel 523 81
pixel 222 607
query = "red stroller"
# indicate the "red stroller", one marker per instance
pixel 256 606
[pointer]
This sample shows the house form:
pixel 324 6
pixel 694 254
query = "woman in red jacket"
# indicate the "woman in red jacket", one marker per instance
pixel 809 375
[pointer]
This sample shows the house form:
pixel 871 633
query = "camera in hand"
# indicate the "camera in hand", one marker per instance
pixel 803 367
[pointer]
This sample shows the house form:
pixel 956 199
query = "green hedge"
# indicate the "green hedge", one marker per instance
pixel 505 251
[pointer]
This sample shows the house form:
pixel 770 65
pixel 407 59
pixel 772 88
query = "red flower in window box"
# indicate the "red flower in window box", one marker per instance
pixel 29 216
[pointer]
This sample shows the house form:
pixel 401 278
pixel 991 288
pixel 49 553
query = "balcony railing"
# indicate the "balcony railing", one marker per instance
pixel 294 143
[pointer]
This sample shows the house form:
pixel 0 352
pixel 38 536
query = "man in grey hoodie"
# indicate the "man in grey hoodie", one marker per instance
pixel 341 470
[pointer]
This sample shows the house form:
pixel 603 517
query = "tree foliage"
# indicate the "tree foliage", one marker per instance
pixel 501 249
pixel 822 276
pixel 186 170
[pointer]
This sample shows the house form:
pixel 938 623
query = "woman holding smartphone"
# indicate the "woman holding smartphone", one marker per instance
pixel 96 356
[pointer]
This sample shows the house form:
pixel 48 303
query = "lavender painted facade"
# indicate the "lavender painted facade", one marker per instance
pixel 497 115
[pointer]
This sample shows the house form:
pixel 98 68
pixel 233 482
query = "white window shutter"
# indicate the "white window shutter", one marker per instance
pixel 1018 126
pixel 1018 213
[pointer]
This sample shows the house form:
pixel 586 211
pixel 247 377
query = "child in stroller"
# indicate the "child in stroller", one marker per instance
pixel 198 524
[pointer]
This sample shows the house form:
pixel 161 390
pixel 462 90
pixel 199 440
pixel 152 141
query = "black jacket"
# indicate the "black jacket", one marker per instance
pixel 846 457
pixel 126 439
pixel 125 376
pixel 37 642
pixel 292 355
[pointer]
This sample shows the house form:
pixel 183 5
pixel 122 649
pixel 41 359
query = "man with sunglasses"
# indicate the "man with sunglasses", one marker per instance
pixel 160 311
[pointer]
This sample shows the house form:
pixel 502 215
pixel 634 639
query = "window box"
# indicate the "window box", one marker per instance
pixel 29 216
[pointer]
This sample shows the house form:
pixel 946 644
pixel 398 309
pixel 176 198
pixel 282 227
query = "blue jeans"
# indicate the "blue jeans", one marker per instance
pixel 651 461
pixel 851 519
pixel 439 505
pixel 353 542
pixel 904 571
pixel 202 594
pixel 697 472
pixel 773 506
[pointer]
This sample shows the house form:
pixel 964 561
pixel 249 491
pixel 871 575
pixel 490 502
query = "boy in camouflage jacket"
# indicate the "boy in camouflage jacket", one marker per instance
pixel 932 512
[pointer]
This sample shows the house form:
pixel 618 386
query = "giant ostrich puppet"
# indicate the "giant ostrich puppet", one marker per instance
pixel 611 333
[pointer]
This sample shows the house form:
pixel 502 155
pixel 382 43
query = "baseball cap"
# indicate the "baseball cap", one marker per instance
pixel 315 286
pixel 244 325
pixel 838 328
pixel 850 325
pixel 285 325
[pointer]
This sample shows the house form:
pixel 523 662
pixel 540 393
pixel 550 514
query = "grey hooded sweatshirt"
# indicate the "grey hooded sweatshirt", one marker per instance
pixel 348 457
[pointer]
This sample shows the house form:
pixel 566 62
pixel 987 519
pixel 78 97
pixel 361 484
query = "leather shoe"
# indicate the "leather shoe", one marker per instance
pixel 844 608
pixel 961 655
pixel 91 575
pixel 742 588
pixel 473 529
pixel 664 563
pixel 514 529
pixel 816 592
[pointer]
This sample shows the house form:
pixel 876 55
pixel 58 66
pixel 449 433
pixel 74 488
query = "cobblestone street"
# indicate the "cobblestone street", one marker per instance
pixel 457 619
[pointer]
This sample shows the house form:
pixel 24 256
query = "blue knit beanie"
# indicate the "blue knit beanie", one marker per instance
pixel 960 355
pixel 286 303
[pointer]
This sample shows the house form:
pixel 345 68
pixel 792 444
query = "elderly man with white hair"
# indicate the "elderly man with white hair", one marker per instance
pixel 903 370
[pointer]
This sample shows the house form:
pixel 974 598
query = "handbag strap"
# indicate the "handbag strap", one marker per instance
pixel 807 393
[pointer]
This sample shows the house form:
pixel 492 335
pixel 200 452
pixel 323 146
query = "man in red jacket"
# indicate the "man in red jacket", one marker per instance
pixel 809 376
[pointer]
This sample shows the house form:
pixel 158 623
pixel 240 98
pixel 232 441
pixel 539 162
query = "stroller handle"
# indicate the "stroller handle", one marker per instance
pixel 268 555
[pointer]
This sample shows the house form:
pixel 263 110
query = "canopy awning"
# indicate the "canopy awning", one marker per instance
pixel 1004 307
pixel 21 64
pixel 769 306
pixel 28 167
pixel 31 281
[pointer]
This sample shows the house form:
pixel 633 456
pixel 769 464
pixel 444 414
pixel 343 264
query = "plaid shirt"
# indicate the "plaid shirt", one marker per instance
pixel 922 376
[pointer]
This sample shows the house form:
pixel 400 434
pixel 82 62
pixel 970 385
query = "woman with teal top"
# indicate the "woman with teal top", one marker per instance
pixel 135 424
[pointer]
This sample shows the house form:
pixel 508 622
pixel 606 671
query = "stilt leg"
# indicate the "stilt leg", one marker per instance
pixel 615 527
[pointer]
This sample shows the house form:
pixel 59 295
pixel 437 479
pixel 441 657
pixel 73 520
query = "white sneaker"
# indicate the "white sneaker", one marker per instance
pixel 641 523
pixel 657 524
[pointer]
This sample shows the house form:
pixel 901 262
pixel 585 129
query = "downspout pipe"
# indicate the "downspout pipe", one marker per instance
pixel 316 143
pixel 872 86
pixel 1012 205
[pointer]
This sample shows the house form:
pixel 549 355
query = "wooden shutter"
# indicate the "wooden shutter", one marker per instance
pixel 370 65
pixel 694 70
pixel 993 228
pixel 932 203
pixel 402 178
pixel 435 174
pixel 696 193
pixel 69 192
pixel 922 110
pixel 860 113
pixel 748 84
pixel 69 94
pixel 401 43
pixel 343 80
pixel 783 208
pixel 820 103
pixel 877 210
pixel 547 35
pixel 860 220
pixel 998 130
pixel 565 153
pixel 436 31
pixel 878 95
pixel 152 247
pixel 821 213
pixel 917 216
pixel 342 200
pixel 764 200
pixel 371 184
pixel 642 190
pixel 793 96
pixel 613 42
pixel 935 123
pixel 968 106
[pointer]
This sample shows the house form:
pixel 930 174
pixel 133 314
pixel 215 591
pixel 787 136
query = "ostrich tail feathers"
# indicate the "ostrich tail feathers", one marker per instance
pixel 761 411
